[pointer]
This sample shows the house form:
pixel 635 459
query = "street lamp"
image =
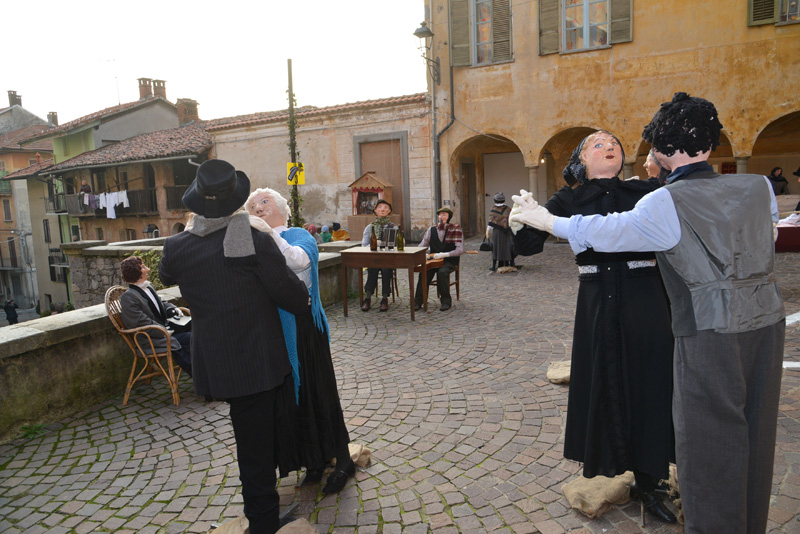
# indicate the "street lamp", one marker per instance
pixel 423 32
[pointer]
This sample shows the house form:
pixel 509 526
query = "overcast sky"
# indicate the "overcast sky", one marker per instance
pixel 76 58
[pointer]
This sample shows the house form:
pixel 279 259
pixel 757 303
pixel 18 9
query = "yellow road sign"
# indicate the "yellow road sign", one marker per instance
pixel 295 174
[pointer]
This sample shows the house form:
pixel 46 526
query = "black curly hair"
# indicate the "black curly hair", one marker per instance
pixel 686 123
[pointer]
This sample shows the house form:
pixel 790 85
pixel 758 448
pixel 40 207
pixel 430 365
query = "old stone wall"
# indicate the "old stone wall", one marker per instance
pixel 94 266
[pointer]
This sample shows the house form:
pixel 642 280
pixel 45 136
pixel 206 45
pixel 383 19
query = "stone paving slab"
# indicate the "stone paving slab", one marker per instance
pixel 466 431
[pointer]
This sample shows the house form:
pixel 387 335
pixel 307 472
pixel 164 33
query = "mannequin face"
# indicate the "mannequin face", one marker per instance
pixel 651 166
pixel 602 156
pixel 264 207
pixel 383 210
pixel 145 272
pixel 443 216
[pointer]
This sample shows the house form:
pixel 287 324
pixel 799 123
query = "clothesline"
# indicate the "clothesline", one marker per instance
pixel 107 201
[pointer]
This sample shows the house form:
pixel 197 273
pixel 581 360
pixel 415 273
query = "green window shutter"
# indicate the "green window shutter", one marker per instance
pixel 621 21
pixel 501 31
pixel 762 12
pixel 459 33
pixel 548 27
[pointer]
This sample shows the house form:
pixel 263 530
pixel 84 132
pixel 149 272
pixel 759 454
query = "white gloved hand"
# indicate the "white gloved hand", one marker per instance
pixel 514 225
pixel 531 213
pixel 440 255
pixel 260 225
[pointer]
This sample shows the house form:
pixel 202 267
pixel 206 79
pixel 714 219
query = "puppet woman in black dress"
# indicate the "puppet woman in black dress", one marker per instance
pixel 619 412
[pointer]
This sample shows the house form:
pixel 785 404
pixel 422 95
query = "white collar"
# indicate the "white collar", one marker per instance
pixel 279 229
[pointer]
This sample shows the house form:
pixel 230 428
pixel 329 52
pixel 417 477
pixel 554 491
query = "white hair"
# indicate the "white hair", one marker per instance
pixel 280 203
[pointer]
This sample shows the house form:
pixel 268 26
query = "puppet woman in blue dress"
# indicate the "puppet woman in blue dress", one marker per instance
pixel 311 428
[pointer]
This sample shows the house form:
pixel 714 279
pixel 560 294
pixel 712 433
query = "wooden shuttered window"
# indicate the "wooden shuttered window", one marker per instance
pixel 459 33
pixel 548 26
pixel 621 21
pixel 501 31
pixel 762 12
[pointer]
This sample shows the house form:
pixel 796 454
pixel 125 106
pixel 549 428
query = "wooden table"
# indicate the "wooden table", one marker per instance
pixel 360 257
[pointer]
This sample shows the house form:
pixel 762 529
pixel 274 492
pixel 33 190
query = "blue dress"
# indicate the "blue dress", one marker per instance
pixel 310 426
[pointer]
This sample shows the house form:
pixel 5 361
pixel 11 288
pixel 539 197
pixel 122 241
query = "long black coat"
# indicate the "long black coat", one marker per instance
pixel 619 411
pixel 237 340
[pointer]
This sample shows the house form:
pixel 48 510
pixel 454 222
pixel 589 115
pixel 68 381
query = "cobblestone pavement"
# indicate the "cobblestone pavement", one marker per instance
pixel 466 431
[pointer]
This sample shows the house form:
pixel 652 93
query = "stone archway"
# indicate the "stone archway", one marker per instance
pixel 481 166
pixel 778 145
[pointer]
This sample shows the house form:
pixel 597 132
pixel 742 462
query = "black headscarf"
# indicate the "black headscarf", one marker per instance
pixel 575 171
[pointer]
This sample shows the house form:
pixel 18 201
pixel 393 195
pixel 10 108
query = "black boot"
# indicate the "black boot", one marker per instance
pixel 494 266
pixel 652 504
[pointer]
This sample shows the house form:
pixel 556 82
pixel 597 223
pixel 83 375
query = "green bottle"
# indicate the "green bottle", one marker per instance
pixel 400 242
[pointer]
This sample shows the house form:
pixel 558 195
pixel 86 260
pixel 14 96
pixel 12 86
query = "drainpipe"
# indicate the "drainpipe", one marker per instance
pixel 437 173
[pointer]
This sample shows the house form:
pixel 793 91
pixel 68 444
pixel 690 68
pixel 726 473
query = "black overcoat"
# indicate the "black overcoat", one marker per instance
pixel 619 411
pixel 237 341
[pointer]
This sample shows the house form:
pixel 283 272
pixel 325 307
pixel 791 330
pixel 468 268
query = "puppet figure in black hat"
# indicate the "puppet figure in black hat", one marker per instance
pixel 622 344
pixel 501 233
pixel 234 278
pixel 446 242
pixel 378 228
pixel 714 236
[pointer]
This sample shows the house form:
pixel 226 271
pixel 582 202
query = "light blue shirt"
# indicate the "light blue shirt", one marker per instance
pixel 652 225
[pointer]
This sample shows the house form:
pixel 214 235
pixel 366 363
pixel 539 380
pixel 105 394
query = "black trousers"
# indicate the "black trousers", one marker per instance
pixel 183 356
pixel 725 409
pixel 372 281
pixel 442 283
pixel 253 419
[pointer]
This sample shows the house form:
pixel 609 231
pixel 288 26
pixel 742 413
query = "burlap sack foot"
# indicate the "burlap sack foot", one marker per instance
pixel 558 372
pixel 361 455
pixel 595 496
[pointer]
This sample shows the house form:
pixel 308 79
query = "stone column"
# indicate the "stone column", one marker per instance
pixel 533 180
pixel 741 165
pixel 627 171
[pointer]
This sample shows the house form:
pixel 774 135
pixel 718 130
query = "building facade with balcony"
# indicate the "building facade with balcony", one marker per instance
pixel 17 261
pixel 91 156
pixel 121 192
pixel 521 84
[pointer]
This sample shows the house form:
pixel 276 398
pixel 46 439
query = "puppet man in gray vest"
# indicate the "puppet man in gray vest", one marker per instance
pixel 714 237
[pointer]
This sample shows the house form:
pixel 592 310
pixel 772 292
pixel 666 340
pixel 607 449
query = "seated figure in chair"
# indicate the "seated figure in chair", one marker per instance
pixel 382 211
pixel 445 241
pixel 141 306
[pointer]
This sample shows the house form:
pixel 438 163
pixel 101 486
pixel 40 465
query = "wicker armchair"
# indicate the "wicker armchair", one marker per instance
pixel 152 363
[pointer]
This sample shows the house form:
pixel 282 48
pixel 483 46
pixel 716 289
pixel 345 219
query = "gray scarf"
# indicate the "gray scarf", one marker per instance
pixel 238 243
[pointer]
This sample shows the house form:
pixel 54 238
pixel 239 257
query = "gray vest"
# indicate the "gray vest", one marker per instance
pixel 720 274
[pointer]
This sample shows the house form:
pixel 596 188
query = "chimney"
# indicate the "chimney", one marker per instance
pixel 187 111
pixel 14 99
pixel 38 158
pixel 160 88
pixel 145 88
pixel 52 118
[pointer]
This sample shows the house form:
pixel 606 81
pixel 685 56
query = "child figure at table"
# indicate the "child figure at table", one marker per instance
pixel 446 242
pixel 378 228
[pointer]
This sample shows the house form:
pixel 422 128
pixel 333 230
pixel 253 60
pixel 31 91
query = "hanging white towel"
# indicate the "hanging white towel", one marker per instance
pixel 123 198
pixel 101 201
pixel 85 199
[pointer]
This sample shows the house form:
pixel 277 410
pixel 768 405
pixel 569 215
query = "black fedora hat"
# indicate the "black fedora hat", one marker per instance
pixel 218 190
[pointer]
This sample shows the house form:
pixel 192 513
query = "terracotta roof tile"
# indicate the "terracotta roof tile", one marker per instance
pixel 102 115
pixel 311 111
pixel 30 170
pixel 12 140
pixel 182 141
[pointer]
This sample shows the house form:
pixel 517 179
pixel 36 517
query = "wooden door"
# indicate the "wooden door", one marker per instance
pixel 384 158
